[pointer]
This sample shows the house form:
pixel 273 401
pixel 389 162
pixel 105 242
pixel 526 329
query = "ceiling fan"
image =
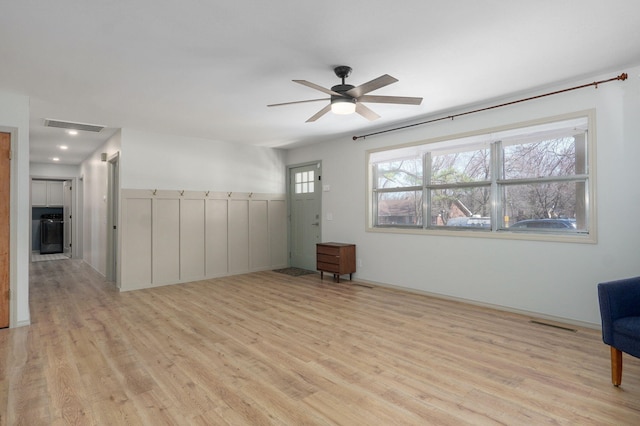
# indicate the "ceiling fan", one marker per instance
pixel 347 99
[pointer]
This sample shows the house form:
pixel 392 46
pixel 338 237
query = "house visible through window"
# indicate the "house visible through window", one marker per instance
pixel 532 179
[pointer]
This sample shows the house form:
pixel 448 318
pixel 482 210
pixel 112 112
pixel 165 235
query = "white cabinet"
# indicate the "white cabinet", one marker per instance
pixel 55 193
pixel 47 193
pixel 39 193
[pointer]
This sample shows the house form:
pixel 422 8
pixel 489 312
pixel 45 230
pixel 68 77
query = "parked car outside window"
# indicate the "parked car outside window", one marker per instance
pixel 470 222
pixel 557 224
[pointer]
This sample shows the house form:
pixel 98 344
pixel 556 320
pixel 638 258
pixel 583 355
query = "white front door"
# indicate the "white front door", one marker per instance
pixel 304 193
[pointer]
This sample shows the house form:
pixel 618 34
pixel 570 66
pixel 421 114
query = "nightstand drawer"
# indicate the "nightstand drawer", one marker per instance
pixel 328 258
pixel 329 267
pixel 327 249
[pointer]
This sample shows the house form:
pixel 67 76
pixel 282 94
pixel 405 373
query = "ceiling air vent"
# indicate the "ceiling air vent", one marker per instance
pixel 69 125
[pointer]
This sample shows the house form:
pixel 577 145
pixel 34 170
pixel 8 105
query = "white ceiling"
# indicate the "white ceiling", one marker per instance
pixel 209 68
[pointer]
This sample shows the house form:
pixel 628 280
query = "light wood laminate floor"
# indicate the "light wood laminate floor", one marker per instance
pixel 267 348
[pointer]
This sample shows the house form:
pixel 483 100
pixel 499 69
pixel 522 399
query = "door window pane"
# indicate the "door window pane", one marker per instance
pixel 304 182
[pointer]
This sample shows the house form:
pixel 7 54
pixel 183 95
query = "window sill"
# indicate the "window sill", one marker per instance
pixel 501 235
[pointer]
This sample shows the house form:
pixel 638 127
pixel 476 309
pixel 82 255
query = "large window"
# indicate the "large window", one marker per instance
pixel 529 180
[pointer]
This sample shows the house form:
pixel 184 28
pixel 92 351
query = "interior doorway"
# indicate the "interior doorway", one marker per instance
pixel 304 214
pixel 67 217
pixel 5 226
pixel 113 198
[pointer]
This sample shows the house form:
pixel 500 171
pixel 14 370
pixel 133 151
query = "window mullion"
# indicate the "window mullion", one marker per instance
pixel 397 189
pixel 374 197
pixel 496 173
pixel 426 194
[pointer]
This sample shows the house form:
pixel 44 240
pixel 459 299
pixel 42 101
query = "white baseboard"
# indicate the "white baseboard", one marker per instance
pixel 533 315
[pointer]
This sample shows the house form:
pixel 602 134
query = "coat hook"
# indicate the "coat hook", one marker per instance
pixel 206 194
pixel 155 191
pixel 250 194
pixel 182 192
pixel 229 194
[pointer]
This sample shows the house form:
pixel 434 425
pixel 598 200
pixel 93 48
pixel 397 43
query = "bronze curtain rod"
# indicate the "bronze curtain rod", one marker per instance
pixel 622 77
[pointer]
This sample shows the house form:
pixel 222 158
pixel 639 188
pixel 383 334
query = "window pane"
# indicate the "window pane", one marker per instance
pixel 400 208
pixel 540 206
pixel 556 157
pixel 398 174
pixel 310 176
pixel 458 167
pixel 311 187
pixel 298 177
pixel 304 188
pixel 298 187
pixel 447 205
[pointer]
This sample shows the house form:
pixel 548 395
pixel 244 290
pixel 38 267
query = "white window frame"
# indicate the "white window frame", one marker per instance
pixel 498 230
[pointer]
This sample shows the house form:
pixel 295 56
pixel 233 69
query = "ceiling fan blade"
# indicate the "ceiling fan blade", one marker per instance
pixel 390 99
pixel 300 102
pixel 319 114
pixel 366 112
pixel 315 86
pixel 375 84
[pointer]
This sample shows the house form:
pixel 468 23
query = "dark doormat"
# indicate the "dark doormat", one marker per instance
pixel 294 272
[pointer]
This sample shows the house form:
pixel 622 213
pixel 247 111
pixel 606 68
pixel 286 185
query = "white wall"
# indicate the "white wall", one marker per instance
pixel 168 162
pixel 14 119
pixel 93 192
pixel 157 161
pixel 549 279
pixel 53 170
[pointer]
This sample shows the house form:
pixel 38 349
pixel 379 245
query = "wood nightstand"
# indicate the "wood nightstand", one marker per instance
pixel 337 258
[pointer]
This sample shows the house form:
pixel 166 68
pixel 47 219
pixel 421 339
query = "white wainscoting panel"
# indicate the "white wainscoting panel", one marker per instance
pixel 171 237
pixel 238 236
pixel 260 257
pixel 166 241
pixel 192 246
pixel 278 231
pixel 135 255
pixel 216 247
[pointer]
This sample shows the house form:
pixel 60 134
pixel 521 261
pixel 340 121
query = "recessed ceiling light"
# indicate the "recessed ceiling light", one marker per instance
pixel 72 132
pixel 63 147
pixel 55 159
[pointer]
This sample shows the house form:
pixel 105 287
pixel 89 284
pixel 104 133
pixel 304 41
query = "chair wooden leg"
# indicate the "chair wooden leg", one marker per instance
pixel 616 366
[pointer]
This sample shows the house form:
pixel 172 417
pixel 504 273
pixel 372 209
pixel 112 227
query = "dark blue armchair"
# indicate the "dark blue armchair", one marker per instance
pixel 620 313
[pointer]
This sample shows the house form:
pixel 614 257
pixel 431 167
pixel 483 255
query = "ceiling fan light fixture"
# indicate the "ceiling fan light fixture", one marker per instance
pixel 347 99
pixel 343 106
